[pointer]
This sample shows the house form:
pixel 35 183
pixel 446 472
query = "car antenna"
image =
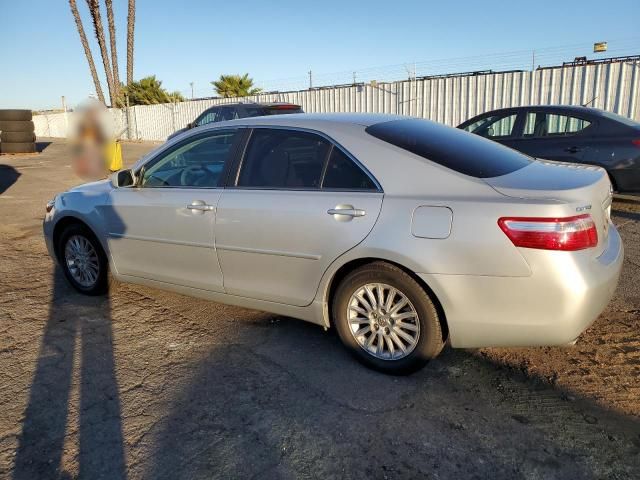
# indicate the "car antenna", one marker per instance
pixel 590 101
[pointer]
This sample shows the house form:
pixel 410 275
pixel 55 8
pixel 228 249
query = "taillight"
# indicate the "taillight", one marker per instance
pixel 568 234
pixel 636 142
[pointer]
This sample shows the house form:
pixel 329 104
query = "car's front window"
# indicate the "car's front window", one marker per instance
pixel 493 126
pixel 196 164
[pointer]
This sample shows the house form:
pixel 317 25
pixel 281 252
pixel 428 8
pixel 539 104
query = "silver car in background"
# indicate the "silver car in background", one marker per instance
pixel 401 233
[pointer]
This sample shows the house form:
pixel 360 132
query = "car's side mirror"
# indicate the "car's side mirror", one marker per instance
pixel 123 178
pixel 190 124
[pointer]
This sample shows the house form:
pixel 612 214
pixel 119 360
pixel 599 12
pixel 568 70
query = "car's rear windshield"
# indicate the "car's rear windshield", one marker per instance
pixel 455 149
pixel 619 118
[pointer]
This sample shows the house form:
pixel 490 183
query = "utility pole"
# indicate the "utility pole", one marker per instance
pixel 64 109
pixel 354 78
pixel 191 83
pixel 533 60
pixel 310 80
pixel 126 97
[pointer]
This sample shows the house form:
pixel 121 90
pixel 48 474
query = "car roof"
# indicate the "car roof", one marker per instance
pixel 311 120
pixel 568 109
pixel 251 104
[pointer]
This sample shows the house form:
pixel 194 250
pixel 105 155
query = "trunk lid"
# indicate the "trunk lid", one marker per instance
pixel 585 189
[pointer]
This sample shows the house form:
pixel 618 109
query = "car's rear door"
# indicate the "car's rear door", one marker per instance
pixel 555 136
pixel 297 202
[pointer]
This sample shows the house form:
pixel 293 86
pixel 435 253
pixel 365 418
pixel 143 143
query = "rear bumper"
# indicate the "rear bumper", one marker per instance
pixel 564 295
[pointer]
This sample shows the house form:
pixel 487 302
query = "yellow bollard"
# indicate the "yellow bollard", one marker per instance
pixel 114 156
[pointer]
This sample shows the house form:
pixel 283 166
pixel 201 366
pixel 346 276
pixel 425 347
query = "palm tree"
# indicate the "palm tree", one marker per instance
pixel 87 50
pixel 149 91
pixel 131 20
pixel 114 54
pixel 94 9
pixel 235 86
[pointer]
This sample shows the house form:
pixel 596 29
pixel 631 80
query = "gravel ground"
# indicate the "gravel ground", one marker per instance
pixel 149 384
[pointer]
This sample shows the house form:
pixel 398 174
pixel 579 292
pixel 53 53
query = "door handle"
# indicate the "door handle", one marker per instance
pixel 344 213
pixel 200 206
pixel 572 149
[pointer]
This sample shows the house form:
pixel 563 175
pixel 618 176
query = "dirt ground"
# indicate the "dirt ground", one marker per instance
pixel 149 384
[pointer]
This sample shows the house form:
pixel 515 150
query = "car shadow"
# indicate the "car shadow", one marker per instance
pixel 41 146
pixel 8 176
pixel 626 215
pixel 295 405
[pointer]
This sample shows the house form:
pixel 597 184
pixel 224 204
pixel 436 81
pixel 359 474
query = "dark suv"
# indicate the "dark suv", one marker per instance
pixel 569 134
pixel 231 111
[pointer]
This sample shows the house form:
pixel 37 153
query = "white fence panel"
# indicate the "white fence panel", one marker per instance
pixel 614 87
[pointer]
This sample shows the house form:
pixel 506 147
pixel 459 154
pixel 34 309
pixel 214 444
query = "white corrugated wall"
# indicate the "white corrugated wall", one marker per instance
pixel 614 87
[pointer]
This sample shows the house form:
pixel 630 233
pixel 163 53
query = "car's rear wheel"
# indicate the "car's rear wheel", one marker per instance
pixel 83 260
pixel 387 319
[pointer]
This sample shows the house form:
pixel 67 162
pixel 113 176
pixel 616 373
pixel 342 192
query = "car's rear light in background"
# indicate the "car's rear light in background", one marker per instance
pixel 636 142
pixel 284 107
pixel 568 234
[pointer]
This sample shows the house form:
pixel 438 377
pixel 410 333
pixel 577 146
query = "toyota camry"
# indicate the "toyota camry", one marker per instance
pixel 401 233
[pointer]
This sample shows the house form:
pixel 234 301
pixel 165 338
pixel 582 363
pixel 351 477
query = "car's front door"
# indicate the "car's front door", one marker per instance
pixel 554 136
pixel 297 203
pixel 163 228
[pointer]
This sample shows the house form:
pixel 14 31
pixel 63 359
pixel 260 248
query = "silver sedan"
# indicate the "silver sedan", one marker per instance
pixel 400 233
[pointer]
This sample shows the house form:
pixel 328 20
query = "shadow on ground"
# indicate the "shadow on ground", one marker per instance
pixel 41 146
pixel 295 405
pixel 77 334
pixel 8 176
pixel 626 215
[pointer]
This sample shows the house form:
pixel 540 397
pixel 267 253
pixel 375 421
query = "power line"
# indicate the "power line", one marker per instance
pixel 510 60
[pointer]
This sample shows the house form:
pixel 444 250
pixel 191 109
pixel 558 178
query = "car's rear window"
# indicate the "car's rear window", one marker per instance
pixel 619 118
pixel 455 149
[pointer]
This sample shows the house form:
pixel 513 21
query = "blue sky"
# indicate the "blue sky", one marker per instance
pixel 277 42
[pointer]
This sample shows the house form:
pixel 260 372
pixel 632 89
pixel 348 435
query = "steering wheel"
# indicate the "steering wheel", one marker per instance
pixel 154 181
pixel 196 175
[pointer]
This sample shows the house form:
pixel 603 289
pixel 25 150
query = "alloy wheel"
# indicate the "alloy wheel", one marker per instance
pixel 383 321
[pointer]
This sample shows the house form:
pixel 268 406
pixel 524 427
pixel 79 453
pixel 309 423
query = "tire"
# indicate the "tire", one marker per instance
pixel 17 137
pixel 16 126
pixel 79 233
pixel 425 323
pixel 17 147
pixel 19 115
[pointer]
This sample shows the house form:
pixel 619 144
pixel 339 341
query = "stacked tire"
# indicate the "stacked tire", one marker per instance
pixel 17 132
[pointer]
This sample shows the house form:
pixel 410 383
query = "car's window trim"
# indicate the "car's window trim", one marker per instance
pixel 235 177
pixel 228 164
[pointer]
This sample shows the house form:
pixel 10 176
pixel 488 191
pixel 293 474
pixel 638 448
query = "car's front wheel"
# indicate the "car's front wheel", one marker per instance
pixel 83 260
pixel 387 319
